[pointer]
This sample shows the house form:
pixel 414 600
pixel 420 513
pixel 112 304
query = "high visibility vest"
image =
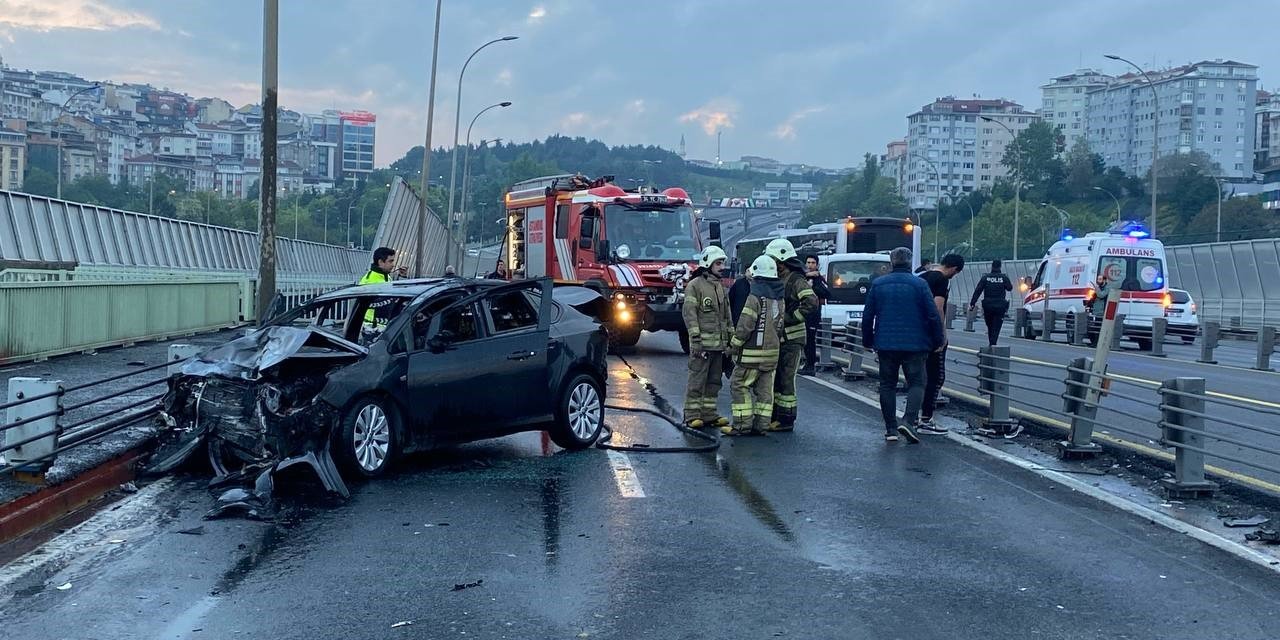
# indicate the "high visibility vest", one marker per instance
pixel 373 277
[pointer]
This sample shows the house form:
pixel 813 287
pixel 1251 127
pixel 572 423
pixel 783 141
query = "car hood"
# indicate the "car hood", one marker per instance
pixel 247 357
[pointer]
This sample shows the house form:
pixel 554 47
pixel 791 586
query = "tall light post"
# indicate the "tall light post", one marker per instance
pixel 63 110
pixel 462 241
pixel 1062 217
pixel 457 122
pixel 1217 181
pixel 648 169
pixel 1155 135
pixel 1017 185
pixel 1113 197
pixel 466 181
pixel 937 205
pixel 420 246
pixel 951 195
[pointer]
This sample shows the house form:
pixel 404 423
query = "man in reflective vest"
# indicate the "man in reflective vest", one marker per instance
pixel 754 345
pixel 706 318
pixel 384 262
pixel 801 302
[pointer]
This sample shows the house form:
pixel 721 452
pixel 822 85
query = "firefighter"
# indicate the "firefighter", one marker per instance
pixel 384 264
pixel 706 318
pixel 801 302
pixel 754 345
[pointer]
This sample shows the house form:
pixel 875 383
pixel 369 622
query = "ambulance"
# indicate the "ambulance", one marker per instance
pixel 1126 254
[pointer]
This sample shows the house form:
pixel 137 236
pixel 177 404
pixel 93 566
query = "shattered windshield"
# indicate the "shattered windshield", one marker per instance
pixel 333 316
pixel 651 234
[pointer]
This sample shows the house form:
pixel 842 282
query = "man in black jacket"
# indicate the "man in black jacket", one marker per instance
pixel 994 290
pixel 819 285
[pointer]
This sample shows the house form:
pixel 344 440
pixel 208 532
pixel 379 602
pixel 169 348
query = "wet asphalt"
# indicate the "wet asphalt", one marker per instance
pixel 823 533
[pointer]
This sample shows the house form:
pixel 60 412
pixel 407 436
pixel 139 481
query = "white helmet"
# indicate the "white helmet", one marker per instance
pixel 710 255
pixel 781 250
pixel 764 267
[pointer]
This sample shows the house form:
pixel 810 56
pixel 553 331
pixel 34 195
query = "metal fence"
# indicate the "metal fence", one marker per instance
pixel 398 230
pixel 1235 283
pixel 1177 416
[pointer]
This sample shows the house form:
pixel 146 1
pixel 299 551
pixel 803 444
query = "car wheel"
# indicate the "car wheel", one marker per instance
pixel 579 414
pixel 368 437
pixel 628 337
pixel 684 341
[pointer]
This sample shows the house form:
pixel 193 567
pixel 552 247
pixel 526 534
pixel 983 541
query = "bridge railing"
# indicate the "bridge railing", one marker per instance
pixel 1168 420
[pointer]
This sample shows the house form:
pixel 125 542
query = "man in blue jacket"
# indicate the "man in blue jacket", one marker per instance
pixel 901 324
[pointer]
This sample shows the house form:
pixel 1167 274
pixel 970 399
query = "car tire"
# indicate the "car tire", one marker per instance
pixel 684 342
pixel 368 438
pixel 579 413
pixel 628 338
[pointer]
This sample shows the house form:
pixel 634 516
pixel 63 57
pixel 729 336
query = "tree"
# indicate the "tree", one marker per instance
pixel 1084 171
pixel 1031 158
pixel 1242 219
pixel 40 182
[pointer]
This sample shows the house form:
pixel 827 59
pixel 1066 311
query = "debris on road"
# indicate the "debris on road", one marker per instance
pixel 64 586
pixel 402 623
pixel 467 585
pixel 129 487
pixel 1269 536
pixel 193 531
pixel 1255 521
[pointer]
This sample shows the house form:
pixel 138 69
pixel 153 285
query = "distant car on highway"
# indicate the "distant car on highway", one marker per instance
pixel 1181 315
pixel 364 374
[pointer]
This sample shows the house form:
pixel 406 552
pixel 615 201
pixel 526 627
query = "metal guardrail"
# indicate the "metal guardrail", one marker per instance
pixel 1186 409
pixel 44 417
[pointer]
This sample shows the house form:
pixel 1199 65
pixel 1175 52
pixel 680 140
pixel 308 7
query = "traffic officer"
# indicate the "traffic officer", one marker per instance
pixel 801 302
pixel 706 318
pixel 994 290
pixel 754 345
pixel 384 263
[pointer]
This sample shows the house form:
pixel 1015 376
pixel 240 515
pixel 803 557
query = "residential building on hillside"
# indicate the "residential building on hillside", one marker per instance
pixel 1206 106
pixel 1266 145
pixel 1065 101
pixel 13 159
pixel 949 145
pixel 893 162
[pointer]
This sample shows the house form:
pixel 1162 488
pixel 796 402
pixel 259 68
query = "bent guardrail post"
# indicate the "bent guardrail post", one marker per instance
pixel 31 429
pixel 994 367
pixel 970 315
pixel 1181 405
pixel 1076 403
pixel 1266 345
pixel 1158 328
pixel 1209 334
pixel 1048 320
pixel 853 339
pixel 179 353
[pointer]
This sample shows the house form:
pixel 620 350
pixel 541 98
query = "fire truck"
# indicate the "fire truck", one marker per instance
pixel 637 249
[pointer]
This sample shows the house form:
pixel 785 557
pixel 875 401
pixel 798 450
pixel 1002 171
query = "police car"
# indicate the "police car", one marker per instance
pixel 849 277
pixel 1125 254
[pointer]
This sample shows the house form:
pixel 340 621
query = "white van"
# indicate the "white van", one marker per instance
pixel 849 277
pixel 1065 279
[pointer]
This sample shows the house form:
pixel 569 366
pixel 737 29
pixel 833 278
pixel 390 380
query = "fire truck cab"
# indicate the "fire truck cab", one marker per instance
pixel 1125 255
pixel 637 249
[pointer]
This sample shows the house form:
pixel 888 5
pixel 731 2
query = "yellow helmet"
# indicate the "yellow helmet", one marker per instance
pixel 781 250
pixel 764 267
pixel 710 255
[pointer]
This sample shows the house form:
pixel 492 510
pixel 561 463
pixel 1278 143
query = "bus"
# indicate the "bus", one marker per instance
pixel 855 234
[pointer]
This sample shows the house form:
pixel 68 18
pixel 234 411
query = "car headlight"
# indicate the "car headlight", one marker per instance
pixel 624 316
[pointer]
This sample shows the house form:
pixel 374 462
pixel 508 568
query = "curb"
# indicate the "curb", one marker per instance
pixel 35 510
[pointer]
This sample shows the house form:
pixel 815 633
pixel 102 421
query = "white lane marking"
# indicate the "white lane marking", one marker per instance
pixel 88 536
pixel 1212 539
pixel 625 475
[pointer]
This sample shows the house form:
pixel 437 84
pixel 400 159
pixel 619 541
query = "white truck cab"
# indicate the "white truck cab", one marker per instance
pixel 1129 258
pixel 849 277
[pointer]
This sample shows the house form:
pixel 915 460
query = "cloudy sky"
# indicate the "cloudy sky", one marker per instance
pixel 813 81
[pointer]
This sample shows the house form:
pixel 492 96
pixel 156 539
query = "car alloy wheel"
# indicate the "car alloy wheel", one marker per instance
pixel 584 410
pixel 371 438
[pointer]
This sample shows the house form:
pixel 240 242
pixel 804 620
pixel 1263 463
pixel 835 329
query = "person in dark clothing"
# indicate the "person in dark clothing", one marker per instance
pixel 819 286
pixel 925 264
pixel 994 290
pixel 738 294
pixel 499 271
pixel 938 280
pixel 901 324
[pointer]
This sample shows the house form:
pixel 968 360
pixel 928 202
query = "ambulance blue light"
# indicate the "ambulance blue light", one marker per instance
pixel 1067 236
pixel 1159 279
pixel 1138 233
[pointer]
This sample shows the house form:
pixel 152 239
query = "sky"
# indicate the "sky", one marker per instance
pixel 807 81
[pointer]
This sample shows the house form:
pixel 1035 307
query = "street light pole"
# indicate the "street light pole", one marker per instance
pixel 1017 185
pixel 1113 197
pixel 61 111
pixel 1062 217
pixel 937 205
pixel 466 181
pixel 349 208
pixel 457 121
pixel 1155 135
pixel 418 263
pixel 1218 182
pixel 462 226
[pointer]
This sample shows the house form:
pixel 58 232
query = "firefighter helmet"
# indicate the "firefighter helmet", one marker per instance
pixel 781 250
pixel 710 256
pixel 764 267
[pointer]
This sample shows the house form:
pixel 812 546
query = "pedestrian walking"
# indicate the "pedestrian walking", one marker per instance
pixel 901 324
pixel 800 303
pixel 939 281
pixel 706 319
pixel 756 339
pixel 994 290
pixel 812 322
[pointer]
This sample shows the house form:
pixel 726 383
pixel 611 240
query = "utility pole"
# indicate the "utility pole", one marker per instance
pixel 267 188
pixel 418 263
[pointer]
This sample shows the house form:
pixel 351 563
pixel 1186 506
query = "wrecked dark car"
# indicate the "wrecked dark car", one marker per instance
pixel 363 374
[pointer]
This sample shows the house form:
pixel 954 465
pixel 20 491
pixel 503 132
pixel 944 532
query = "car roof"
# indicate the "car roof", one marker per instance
pixel 406 288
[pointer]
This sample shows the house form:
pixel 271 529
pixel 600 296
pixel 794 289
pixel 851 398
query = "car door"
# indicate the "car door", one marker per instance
pixel 443 366
pixel 515 351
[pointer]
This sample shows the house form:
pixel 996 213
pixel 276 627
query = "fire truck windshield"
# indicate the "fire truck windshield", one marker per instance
pixel 664 234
